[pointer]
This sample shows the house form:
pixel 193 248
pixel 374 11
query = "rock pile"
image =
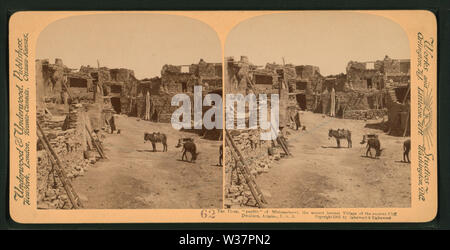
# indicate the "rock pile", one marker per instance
pixel 72 117
pixel 76 161
pixel 368 114
pixel 259 155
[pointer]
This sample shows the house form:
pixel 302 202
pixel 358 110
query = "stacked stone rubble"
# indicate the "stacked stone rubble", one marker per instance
pixel 76 155
pixel 370 114
pixel 259 160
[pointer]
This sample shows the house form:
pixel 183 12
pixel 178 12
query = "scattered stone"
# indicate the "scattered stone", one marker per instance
pixel 83 198
pixel 266 193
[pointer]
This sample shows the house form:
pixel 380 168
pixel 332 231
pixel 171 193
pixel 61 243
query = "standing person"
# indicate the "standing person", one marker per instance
pixel 158 112
pixel 112 123
pixel 298 123
pixel 338 106
pixel 151 109
pixel 64 96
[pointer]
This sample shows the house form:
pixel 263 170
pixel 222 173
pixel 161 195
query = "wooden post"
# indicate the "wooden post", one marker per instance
pixel 233 169
pixel 147 106
pixel 86 139
pixel 407 124
pixel 283 145
pixel 409 112
pixel 407 93
pixel 67 87
pixel 281 141
pixel 96 145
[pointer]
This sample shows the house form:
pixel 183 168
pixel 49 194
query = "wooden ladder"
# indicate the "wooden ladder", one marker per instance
pixel 243 168
pixel 58 167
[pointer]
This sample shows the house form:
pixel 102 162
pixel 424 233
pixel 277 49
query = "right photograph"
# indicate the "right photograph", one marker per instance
pixel 317 112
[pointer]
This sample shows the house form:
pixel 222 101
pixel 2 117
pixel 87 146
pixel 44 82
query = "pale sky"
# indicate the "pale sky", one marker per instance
pixel 325 39
pixel 141 42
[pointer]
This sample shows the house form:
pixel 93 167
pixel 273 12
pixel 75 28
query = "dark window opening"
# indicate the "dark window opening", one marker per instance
pixel 369 83
pixel 263 79
pixel 280 72
pixel 218 69
pixel 401 92
pixel 184 87
pixel 94 75
pixel 77 83
pixel 301 85
pixel 116 88
pixel 301 101
pixel 115 102
pixel 114 74
pixel 405 67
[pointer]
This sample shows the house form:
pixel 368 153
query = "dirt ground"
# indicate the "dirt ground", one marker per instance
pixel 321 175
pixel 136 177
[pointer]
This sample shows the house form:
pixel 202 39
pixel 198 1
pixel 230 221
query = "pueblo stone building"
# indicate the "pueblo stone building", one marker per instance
pixel 120 88
pixel 75 110
pixel 367 90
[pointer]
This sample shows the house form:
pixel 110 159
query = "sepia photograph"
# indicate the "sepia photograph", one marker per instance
pixel 104 88
pixel 251 116
pixel 342 86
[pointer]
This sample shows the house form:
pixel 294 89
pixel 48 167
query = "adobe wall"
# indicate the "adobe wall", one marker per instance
pixel 367 114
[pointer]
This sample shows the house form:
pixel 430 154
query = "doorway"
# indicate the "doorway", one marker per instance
pixel 184 87
pixel 301 101
pixel 115 102
pixel 369 83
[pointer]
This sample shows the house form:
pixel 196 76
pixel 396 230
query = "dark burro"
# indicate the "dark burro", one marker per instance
pixel 156 137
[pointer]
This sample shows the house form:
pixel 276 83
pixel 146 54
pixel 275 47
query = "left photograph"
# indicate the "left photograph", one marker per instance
pixel 105 87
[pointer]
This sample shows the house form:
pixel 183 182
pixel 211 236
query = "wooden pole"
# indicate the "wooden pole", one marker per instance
pixel 407 124
pixel 407 93
pixel 98 147
pixel 281 141
pixel 71 194
pixel 409 111
pixel 67 87
pixel 147 106
pixel 233 168
pixel 283 145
